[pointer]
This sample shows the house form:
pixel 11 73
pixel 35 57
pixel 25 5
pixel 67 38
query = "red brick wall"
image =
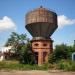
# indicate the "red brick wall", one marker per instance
pixel 42 46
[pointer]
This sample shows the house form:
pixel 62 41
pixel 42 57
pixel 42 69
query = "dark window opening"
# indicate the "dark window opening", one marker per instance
pixel 44 44
pixel 44 56
pixel 36 44
pixel 36 57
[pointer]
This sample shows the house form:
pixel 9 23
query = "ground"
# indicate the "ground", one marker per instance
pixel 35 72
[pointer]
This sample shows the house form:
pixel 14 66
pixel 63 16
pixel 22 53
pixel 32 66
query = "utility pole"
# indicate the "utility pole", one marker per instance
pixel 74 42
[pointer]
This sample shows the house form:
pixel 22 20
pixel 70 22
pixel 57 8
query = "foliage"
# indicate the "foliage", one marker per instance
pixel 16 39
pixel 26 55
pixel 59 59
pixel 53 66
pixel 66 65
pixel 22 47
pixel 61 52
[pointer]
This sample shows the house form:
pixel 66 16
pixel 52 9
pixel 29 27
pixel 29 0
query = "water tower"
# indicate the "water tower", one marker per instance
pixel 41 23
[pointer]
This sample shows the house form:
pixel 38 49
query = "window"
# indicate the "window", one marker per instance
pixel 44 44
pixel 36 44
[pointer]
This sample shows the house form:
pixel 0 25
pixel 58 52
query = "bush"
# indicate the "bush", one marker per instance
pixel 60 52
pixel 53 66
pixel 66 65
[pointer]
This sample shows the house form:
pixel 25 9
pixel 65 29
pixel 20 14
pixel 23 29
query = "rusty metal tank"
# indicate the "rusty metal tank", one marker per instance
pixel 41 23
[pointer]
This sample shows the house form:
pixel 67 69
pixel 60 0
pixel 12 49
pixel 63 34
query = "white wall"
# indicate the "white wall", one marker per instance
pixel 4 49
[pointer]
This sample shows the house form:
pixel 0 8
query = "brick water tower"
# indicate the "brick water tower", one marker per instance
pixel 41 23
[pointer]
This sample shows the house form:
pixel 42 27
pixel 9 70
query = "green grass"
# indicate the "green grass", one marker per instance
pixel 65 65
pixel 13 65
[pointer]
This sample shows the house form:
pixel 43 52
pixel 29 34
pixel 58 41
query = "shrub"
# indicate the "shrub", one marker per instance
pixel 60 52
pixel 66 65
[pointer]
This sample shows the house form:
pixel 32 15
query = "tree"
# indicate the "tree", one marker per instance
pixel 15 40
pixel 60 52
pixel 26 54
pixel 22 47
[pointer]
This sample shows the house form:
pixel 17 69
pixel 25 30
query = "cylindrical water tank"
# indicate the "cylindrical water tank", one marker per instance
pixel 41 22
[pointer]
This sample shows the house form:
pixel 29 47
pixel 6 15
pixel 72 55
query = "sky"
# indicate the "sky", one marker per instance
pixel 12 18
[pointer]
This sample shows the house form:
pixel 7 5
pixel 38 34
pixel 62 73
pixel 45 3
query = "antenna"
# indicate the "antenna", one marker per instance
pixel 43 2
pixel 41 6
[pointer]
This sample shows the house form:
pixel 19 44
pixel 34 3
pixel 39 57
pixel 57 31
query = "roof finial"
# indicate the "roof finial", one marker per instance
pixel 41 6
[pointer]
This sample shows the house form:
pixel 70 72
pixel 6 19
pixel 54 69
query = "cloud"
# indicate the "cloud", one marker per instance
pixel 7 24
pixel 65 21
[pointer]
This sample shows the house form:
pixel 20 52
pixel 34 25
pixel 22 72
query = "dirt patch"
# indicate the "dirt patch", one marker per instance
pixel 35 72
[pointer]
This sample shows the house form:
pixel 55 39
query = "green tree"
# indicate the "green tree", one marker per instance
pixel 60 52
pixel 15 40
pixel 26 54
pixel 22 47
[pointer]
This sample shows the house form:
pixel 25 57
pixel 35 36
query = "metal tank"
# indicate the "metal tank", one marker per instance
pixel 41 23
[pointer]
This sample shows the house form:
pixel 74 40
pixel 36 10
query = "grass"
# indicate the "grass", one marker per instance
pixel 65 65
pixel 13 65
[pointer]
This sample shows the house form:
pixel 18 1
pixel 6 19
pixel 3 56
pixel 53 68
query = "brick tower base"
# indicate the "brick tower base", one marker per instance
pixel 41 49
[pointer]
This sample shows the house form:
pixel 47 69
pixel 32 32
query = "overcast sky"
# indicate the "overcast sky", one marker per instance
pixel 12 18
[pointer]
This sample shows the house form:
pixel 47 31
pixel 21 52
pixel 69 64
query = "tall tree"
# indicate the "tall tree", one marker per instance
pixel 16 41
pixel 22 47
